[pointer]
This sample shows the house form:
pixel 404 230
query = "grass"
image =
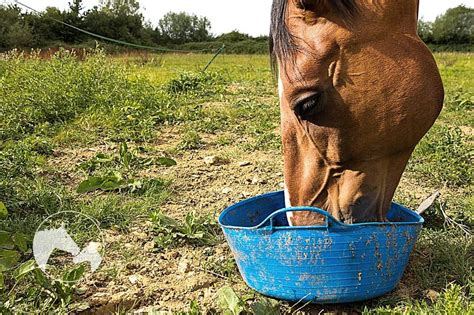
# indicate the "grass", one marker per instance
pixel 99 122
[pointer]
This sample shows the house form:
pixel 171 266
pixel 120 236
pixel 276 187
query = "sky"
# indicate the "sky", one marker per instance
pixel 247 16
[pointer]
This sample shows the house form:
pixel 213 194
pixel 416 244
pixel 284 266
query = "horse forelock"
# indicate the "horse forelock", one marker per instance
pixel 283 44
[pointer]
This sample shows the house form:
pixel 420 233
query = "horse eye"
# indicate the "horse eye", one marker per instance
pixel 308 106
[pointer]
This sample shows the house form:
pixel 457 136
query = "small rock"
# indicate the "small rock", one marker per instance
pixel 184 266
pixel 226 190
pixel 246 194
pixel 282 185
pixel 211 160
pixel 257 180
pixel 133 279
pixel 244 163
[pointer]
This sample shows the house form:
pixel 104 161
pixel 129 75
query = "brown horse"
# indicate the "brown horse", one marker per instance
pixel 358 90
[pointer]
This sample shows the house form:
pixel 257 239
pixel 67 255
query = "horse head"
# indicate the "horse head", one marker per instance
pixel 358 90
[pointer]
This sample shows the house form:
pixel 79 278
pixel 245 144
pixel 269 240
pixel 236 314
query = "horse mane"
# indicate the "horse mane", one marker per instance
pixel 282 43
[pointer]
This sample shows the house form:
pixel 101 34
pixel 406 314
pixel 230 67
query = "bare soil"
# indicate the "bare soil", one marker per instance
pixel 135 276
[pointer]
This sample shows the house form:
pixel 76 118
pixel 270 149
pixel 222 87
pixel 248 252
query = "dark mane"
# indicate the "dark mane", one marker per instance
pixel 282 43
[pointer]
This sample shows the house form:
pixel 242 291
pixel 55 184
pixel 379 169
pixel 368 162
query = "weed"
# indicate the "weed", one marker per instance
pixel 452 301
pixel 199 230
pixel 13 245
pixel 124 160
pixel 194 309
pixel 459 100
pixel 191 140
pixel 192 82
pixel 221 266
pixel 231 303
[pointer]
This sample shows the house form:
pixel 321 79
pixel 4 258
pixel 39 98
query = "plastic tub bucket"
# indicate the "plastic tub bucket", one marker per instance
pixel 332 263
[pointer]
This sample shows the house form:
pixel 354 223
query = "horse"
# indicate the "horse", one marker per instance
pixel 358 90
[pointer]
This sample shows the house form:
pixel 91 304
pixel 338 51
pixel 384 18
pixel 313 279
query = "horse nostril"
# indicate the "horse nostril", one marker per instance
pixel 309 105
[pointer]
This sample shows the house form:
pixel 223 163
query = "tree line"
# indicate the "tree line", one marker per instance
pixel 454 27
pixel 122 20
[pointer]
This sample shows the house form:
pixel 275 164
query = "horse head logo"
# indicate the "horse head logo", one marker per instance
pixel 46 241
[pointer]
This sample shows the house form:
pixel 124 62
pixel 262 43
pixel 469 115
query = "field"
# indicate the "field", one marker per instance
pixel 159 148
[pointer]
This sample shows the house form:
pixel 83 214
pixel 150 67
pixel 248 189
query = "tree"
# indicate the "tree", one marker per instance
pixel 456 26
pixel 14 32
pixel 118 19
pixel 73 17
pixel 181 28
pixel 121 7
pixel 425 31
pixel 233 37
pixel 75 8
pixel 49 28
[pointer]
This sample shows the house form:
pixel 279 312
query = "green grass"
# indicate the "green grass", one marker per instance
pixel 122 107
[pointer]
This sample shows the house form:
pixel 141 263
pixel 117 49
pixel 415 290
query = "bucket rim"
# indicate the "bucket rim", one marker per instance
pixel 419 219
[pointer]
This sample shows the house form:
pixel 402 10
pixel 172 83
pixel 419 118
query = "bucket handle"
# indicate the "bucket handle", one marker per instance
pixel 329 219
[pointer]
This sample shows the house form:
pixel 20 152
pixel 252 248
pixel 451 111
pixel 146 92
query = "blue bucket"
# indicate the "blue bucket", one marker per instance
pixel 332 263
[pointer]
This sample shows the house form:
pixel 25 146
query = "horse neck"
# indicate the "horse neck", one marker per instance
pixel 391 16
